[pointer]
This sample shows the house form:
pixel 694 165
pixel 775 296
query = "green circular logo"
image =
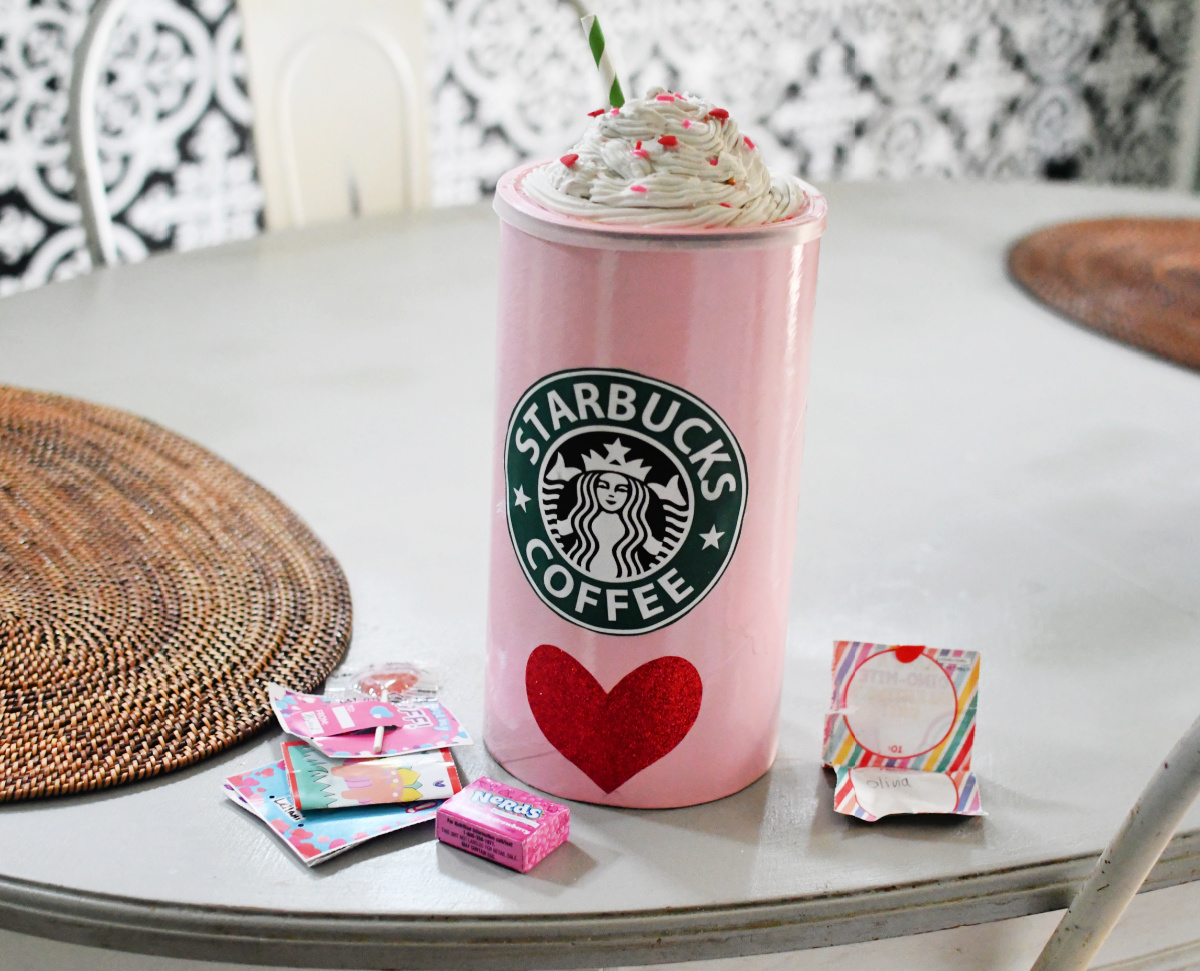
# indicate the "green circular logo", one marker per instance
pixel 625 497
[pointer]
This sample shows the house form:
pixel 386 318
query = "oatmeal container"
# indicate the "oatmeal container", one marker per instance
pixel 649 425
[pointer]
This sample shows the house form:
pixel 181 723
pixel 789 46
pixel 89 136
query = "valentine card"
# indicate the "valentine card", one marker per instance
pixel 321 835
pixel 319 782
pixel 420 728
pixel 902 707
pixel 311 715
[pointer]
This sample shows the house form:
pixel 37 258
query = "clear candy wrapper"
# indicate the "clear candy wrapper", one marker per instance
pixel 319 782
pixel 901 730
pixel 398 682
pixel 317 836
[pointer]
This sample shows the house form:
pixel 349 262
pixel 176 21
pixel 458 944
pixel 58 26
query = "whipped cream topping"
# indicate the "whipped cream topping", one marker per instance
pixel 666 160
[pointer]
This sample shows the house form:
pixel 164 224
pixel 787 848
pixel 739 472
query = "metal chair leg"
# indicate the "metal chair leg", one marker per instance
pixel 1128 860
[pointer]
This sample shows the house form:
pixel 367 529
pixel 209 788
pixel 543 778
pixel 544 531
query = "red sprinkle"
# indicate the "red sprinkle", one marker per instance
pixel 726 205
pixel 569 160
pixel 668 141
pixel 712 161
pixel 719 113
pixel 637 188
pixel 593 114
pixel 686 123
pixel 638 145
pixel 615 111
pixel 640 152
pixel 749 144
pixel 665 97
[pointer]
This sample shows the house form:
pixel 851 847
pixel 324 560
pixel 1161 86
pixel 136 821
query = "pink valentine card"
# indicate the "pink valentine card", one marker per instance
pixel 421 728
pixel 310 716
pixel 317 836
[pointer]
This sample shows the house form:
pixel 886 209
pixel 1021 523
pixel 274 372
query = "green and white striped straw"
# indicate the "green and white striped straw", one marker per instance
pixel 595 36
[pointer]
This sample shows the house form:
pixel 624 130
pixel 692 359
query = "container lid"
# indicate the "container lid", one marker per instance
pixel 518 210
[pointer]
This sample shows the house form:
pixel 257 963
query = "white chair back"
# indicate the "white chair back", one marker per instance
pixel 341 118
pixel 83 134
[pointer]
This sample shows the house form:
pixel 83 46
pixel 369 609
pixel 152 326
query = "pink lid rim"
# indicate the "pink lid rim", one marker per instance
pixel 518 210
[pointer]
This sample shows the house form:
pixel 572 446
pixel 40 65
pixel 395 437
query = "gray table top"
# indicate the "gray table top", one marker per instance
pixel 978 474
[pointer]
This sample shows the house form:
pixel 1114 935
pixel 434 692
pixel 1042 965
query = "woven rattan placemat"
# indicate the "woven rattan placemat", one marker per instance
pixel 1137 280
pixel 148 590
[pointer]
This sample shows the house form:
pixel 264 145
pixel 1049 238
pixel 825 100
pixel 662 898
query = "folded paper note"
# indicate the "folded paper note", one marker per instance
pixel 870 793
pixel 319 782
pixel 502 823
pixel 317 836
pixel 907 713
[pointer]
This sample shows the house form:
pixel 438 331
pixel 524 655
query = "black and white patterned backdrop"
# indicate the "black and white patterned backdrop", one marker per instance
pixel 833 88
pixel 1089 89
pixel 174 134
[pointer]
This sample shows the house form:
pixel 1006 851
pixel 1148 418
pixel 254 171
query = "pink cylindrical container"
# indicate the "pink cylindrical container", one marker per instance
pixel 649 425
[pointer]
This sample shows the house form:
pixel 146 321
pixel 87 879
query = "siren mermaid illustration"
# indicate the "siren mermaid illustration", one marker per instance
pixel 607 532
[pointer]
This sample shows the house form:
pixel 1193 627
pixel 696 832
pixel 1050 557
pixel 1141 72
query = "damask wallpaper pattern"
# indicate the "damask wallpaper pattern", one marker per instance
pixel 830 88
pixel 174 134
pixel 833 88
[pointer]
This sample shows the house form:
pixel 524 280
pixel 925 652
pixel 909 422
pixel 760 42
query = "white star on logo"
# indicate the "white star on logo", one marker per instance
pixel 616 451
pixel 520 498
pixel 711 538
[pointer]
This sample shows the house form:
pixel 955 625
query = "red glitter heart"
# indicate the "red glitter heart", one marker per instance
pixel 612 736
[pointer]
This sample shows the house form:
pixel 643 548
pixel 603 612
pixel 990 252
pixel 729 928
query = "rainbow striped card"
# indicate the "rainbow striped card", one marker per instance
pixel 901 707
pixel 900 730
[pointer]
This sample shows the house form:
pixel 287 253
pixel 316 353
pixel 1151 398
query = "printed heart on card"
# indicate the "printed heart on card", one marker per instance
pixel 611 736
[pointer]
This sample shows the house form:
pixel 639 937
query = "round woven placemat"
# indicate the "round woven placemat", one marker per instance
pixel 1137 280
pixel 148 590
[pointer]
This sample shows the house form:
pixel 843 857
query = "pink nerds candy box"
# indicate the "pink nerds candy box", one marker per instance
pixel 503 824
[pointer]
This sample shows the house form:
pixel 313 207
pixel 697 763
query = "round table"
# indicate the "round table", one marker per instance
pixel 979 474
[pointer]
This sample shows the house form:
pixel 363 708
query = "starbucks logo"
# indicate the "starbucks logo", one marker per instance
pixel 625 498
